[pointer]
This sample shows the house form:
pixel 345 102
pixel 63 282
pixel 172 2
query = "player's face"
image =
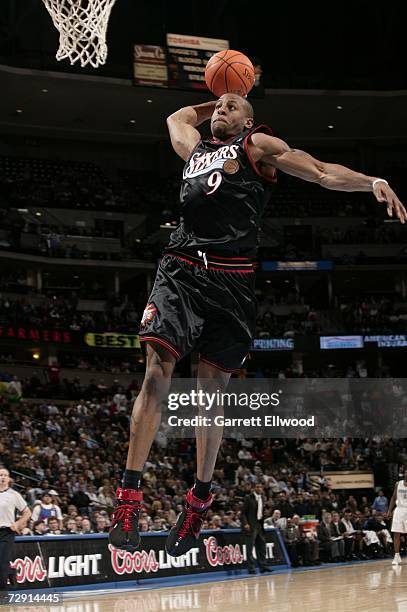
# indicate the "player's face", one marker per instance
pixel 230 117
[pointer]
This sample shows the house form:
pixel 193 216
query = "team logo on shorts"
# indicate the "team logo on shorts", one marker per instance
pixel 231 166
pixel 148 315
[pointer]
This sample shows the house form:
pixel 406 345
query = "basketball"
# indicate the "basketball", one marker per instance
pixel 229 72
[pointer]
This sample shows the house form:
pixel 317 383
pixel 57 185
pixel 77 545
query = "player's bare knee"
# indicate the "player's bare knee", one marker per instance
pixel 156 382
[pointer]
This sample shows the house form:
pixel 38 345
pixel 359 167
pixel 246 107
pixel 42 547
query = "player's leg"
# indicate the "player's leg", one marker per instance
pixel 398 527
pixel 146 415
pixel 396 541
pixel 186 532
pixel 210 380
pixel 229 322
pixel 145 420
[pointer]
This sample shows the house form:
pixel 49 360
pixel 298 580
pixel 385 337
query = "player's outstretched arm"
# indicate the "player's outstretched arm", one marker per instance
pixel 182 127
pixel 272 151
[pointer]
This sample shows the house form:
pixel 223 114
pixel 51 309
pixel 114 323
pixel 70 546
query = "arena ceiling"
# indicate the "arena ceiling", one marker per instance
pixel 98 108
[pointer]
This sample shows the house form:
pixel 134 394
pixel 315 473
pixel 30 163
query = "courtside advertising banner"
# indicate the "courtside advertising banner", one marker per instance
pixel 79 560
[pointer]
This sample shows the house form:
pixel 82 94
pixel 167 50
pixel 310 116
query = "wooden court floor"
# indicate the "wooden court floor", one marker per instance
pixel 361 587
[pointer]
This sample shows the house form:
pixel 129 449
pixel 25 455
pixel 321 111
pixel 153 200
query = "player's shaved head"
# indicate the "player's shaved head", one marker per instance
pixel 232 115
pixel 249 108
pixel 241 101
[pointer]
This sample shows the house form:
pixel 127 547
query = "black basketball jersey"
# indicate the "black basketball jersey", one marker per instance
pixel 223 196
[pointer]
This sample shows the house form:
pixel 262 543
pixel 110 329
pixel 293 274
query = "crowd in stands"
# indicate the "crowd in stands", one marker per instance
pixel 382 233
pixel 372 314
pixel 285 313
pixel 281 313
pixel 29 182
pixel 67 460
pixel 34 183
pixel 61 312
pixel 295 198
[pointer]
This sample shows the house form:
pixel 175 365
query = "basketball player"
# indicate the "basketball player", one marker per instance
pixel 203 296
pixel 399 523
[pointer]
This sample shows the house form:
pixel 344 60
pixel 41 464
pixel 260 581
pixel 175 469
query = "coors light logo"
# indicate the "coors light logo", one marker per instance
pixel 29 570
pixel 200 163
pixel 33 570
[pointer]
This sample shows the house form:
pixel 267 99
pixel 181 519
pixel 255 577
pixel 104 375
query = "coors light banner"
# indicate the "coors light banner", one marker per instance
pixel 79 560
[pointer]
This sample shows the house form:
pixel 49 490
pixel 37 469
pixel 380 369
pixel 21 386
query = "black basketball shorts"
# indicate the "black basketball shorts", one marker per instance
pixel 205 303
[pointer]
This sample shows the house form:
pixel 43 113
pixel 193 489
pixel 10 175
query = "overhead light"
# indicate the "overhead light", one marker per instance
pixel 268 281
pixel 76 276
pixel 132 121
pixel 138 240
pixel 149 100
pixel 36 355
pixel 339 107
pixel 38 214
pixel 19 111
pixel 331 127
pixel 22 210
pixel 44 90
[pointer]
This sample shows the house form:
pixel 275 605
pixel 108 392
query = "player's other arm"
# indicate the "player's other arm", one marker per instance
pixel 272 151
pixel 182 127
pixel 392 501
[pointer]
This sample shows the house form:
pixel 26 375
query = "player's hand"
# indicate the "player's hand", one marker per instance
pixel 384 193
pixel 14 527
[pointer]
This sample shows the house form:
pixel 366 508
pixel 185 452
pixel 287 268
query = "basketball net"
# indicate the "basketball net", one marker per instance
pixel 82 26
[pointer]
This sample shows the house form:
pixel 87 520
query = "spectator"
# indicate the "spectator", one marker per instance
pixel 86 526
pixel 309 547
pixel 39 528
pixel 349 534
pixel 101 525
pixel 46 509
pixel 293 540
pixel 81 499
pixel 53 526
pixel 275 520
pixel 106 497
pixel 331 545
pixel 70 526
pixel 381 503
pixel 377 524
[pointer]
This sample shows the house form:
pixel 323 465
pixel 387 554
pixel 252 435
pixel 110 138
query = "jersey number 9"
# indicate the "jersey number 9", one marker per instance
pixel 214 181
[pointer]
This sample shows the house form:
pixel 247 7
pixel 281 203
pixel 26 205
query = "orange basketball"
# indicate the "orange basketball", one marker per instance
pixel 229 72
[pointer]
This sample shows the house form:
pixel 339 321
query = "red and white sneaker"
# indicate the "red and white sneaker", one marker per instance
pixel 185 534
pixel 123 532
